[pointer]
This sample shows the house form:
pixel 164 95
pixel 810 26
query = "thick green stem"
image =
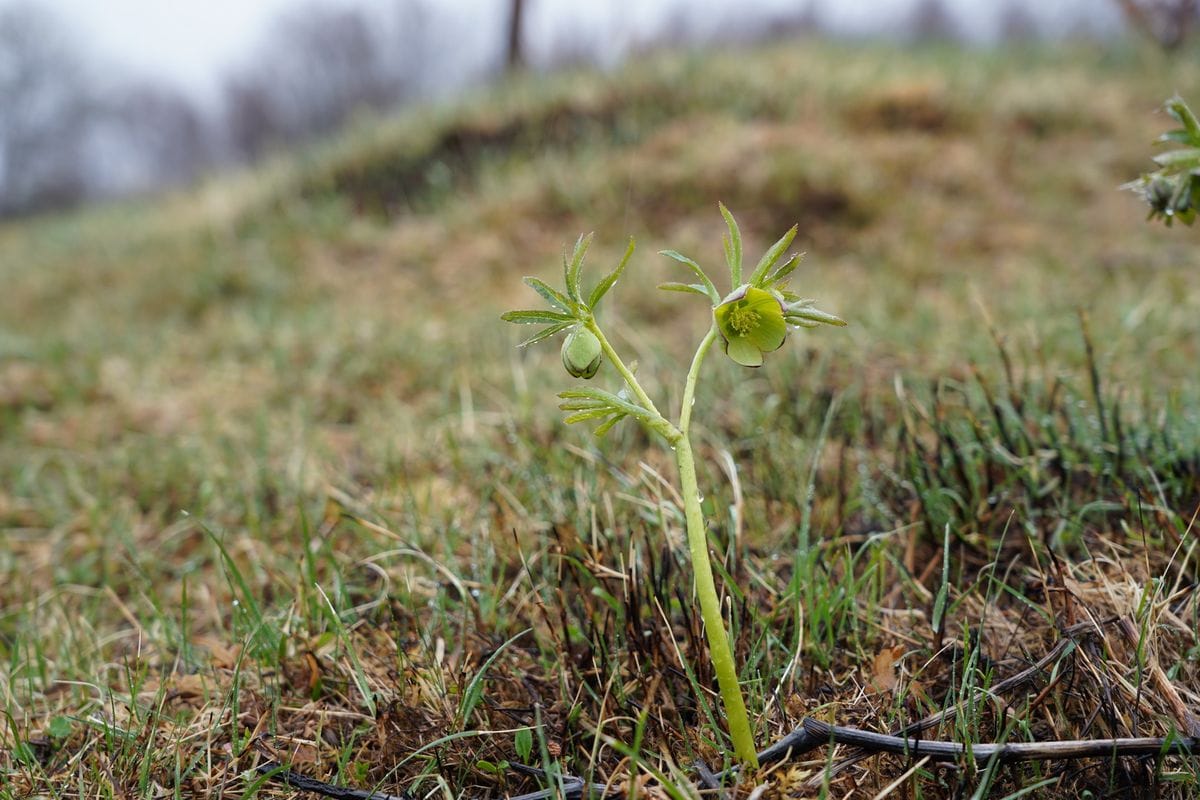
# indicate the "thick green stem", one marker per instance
pixel 706 590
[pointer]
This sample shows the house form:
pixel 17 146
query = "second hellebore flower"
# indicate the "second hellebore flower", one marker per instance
pixel 751 323
pixel 581 353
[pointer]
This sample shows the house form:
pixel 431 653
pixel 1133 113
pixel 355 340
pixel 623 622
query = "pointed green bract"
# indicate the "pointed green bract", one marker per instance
pixel 733 246
pixel 688 288
pixel 549 293
pixel 809 317
pixel 546 333
pixel 610 279
pixel 773 255
pixel 533 316
pixel 780 275
pixel 696 269
pixel 1182 114
pixel 572 269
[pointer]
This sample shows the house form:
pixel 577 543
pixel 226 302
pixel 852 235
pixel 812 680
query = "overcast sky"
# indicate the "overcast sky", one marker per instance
pixel 190 42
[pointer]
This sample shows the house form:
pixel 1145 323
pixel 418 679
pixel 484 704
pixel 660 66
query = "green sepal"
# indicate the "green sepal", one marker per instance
pixel 550 294
pixel 744 353
pixel 771 256
pixel 709 288
pixel 611 278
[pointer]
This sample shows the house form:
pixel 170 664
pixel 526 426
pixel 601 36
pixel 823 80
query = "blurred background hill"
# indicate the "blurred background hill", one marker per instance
pixel 108 100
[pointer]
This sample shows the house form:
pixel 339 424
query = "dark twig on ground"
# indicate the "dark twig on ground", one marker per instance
pixel 304 783
pixel 1007 752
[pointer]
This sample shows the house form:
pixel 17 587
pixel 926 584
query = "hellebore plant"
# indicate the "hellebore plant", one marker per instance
pixel 1173 190
pixel 751 321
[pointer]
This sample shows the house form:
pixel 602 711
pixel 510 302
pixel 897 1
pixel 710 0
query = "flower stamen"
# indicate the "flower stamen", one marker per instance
pixel 742 319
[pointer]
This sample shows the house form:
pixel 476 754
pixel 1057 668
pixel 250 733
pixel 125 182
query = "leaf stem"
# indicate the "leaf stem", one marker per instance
pixel 660 424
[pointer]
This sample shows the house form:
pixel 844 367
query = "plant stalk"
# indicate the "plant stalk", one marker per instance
pixel 719 649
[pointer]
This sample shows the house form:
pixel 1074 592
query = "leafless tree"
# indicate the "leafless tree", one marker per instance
pixel 162 136
pixel 250 117
pixel 44 106
pixel 1017 23
pixel 515 52
pixel 317 67
pixel 1168 22
pixel 932 21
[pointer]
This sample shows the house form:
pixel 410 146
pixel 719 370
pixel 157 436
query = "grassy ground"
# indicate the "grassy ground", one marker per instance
pixel 274 479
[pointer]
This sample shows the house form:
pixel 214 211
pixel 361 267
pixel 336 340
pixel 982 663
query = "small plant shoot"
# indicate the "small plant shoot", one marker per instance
pixel 1173 190
pixel 751 321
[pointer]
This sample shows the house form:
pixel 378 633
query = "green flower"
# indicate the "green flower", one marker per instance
pixel 751 322
pixel 582 353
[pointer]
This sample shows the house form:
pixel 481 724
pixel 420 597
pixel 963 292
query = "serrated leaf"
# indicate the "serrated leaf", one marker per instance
pixel 690 288
pixel 698 271
pixel 607 425
pixel 1186 157
pixel 733 246
pixel 595 413
pixel 772 255
pixel 789 266
pixel 604 397
pixel 551 295
pixel 582 405
pixel 1177 135
pixel 571 270
pixel 546 333
pixel 1178 109
pixel 815 315
pixel 533 316
pixel 611 278
pixel 590 394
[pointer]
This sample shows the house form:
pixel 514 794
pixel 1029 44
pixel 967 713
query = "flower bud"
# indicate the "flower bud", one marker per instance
pixel 581 353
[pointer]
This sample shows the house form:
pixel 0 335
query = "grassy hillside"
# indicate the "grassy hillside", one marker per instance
pixel 275 479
